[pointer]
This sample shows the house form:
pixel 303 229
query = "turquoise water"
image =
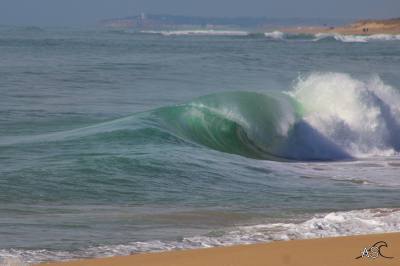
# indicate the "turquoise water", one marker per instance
pixel 116 142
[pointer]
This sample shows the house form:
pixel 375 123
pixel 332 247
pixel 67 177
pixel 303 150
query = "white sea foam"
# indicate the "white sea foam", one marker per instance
pixel 276 35
pixel 324 225
pixel 200 32
pixel 11 260
pixel 358 38
pixel 361 117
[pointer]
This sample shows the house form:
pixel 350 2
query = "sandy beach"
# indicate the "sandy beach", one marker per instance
pixel 339 251
pixel 362 27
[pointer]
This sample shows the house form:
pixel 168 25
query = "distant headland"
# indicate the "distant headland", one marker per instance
pixel 361 27
pixel 294 25
pixel 154 21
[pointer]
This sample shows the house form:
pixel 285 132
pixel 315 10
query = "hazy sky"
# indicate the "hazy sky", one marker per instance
pixel 88 12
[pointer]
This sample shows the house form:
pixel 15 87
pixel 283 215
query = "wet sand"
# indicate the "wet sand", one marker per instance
pixel 340 251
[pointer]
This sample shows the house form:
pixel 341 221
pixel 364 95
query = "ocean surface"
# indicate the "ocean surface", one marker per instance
pixel 119 142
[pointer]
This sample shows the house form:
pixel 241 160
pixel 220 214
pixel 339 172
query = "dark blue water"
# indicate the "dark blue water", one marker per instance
pixel 106 147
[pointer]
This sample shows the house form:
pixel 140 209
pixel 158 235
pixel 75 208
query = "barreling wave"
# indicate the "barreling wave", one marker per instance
pixel 255 125
pixel 326 116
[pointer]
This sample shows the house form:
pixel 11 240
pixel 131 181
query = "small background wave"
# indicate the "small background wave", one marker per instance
pixel 281 36
pixel 200 32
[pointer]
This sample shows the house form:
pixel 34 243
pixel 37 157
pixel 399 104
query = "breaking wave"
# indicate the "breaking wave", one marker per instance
pixel 333 224
pixel 326 116
pixel 276 35
pixel 357 38
pixel 281 36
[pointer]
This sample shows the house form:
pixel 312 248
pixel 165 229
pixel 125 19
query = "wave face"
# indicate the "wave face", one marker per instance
pixel 327 116
pixel 321 225
pixel 246 123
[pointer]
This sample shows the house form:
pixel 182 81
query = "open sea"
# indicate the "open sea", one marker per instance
pixel 120 142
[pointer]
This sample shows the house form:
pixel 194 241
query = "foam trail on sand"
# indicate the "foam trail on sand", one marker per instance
pixel 322 225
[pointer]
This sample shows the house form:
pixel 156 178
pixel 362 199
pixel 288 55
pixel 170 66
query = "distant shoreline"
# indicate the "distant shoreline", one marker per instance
pixel 179 22
pixel 362 27
pixel 299 26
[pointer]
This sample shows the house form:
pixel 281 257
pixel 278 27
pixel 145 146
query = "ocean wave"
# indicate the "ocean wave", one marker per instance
pixel 324 117
pixel 347 38
pixel 361 117
pixel 357 38
pixel 275 35
pixel 281 36
pixel 278 35
pixel 199 33
pixel 333 224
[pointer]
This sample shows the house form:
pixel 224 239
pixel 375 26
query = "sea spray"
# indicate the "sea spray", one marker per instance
pixel 276 35
pixel 362 117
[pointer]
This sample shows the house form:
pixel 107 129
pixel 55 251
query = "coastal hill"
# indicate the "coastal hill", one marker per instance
pixel 376 26
pixel 294 25
pixel 361 27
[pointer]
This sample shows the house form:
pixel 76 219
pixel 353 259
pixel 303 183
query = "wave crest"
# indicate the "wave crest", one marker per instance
pixel 275 35
pixel 362 117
